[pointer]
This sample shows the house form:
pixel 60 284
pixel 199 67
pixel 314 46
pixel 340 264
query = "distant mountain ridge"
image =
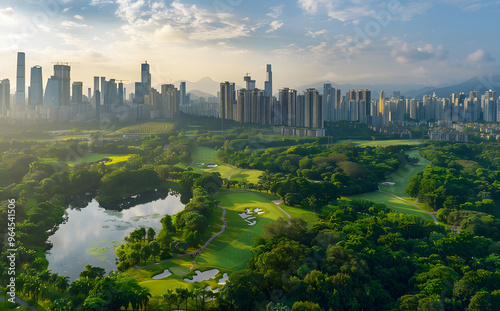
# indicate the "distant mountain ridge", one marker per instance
pixel 480 84
pixel 206 87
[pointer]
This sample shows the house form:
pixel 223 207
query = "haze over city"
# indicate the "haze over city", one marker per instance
pixel 365 41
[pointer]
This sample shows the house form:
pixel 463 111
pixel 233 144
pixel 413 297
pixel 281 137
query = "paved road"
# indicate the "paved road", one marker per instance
pixel 433 217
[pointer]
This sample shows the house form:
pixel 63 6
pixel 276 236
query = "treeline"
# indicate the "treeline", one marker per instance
pixel 360 256
pixel 462 177
pixel 352 169
pixel 176 235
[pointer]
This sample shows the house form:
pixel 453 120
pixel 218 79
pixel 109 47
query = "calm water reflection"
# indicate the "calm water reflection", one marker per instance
pixel 91 234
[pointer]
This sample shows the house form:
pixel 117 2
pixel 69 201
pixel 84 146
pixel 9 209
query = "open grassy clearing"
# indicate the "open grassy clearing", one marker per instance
pixel 383 143
pixel 93 157
pixel 247 175
pixel 146 128
pixel 392 203
pixel 401 177
pixel 207 156
pixel 307 215
pixel 229 252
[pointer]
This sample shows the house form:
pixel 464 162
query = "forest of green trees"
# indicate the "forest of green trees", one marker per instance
pixel 360 256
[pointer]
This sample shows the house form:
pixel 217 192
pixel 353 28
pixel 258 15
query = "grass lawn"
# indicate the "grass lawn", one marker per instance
pixel 383 143
pixel 229 252
pixel 147 128
pixel 402 177
pixel 29 206
pixel 117 159
pixel 249 176
pixel 209 156
pixel 392 203
pixel 99 156
pixel 298 212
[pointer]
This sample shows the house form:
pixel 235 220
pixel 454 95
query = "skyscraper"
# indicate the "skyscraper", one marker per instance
pixel 227 100
pixel 249 83
pixel 143 88
pixel 21 81
pixel 182 89
pixel 52 91
pixel 4 96
pixel 35 90
pixel 77 93
pixel 329 103
pixel 145 77
pixel 62 72
pixel 103 90
pixel 121 94
pixel 268 85
pixel 110 93
pixel 313 109
pixel 288 104
pixel 171 98
pixel 381 102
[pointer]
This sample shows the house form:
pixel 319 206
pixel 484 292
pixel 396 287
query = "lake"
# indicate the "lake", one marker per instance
pixel 91 234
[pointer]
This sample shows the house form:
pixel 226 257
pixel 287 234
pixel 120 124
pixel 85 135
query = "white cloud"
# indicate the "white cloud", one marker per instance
pixel 351 14
pixel 312 6
pixel 66 10
pixel 276 11
pixel 7 12
pixel 479 56
pixel 71 24
pixel 79 17
pixel 405 53
pixel 188 21
pixel 99 2
pixel 315 34
pixel 355 11
pixel 72 40
pixel 275 26
pixel 471 5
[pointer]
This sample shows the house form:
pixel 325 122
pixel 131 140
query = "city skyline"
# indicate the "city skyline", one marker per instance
pixel 365 42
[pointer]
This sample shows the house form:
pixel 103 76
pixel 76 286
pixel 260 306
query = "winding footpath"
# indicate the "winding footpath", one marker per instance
pixel 195 252
pixel 432 215
pixel 277 202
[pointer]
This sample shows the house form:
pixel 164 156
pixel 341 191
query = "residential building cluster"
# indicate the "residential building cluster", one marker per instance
pixel 288 110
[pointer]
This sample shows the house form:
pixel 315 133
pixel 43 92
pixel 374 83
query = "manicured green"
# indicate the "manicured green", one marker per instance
pixel 228 252
pixel 209 156
pixel 92 158
pixel 392 203
pixel 147 128
pixel 402 176
pixel 231 250
pixel 305 214
pixel 383 143
pixel 246 175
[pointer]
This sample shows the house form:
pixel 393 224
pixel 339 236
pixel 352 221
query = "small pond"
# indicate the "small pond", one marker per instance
pixel 91 234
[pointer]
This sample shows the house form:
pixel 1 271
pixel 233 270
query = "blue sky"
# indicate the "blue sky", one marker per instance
pixel 307 41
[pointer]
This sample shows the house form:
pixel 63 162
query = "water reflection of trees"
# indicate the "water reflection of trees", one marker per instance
pixel 82 200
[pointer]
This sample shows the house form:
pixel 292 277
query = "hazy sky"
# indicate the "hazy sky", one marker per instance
pixel 306 41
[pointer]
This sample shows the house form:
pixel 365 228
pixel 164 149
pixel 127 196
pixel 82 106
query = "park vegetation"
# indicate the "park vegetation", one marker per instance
pixel 360 256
